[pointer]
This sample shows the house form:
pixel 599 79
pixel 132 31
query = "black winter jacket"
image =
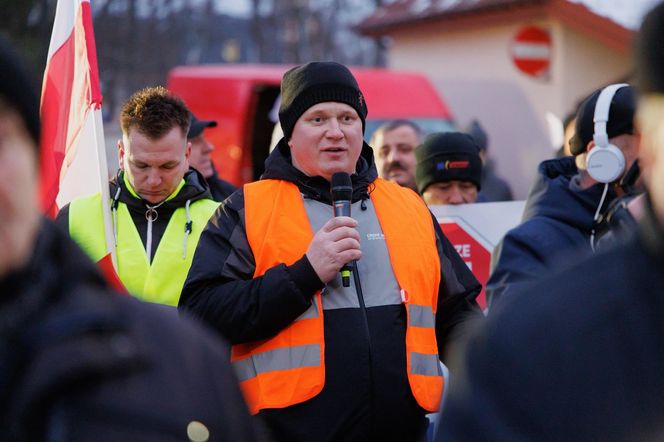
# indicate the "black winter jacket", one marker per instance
pixel 80 362
pixel 366 392
pixel 219 189
pixel 557 223
pixel 581 361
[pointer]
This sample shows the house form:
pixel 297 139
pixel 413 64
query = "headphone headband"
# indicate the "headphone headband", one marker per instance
pixel 601 117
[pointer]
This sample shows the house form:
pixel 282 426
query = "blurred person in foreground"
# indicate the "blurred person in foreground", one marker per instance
pixel 394 146
pixel 80 362
pixel 449 169
pixel 580 357
pixel 318 360
pixel 494 188
pixel 201 159
pixel 159 204
pixel 564 205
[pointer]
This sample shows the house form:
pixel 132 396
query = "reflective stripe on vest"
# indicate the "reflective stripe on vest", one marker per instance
pixel 283 370
pixel 278 231
pixel 411 243
pixel 160 282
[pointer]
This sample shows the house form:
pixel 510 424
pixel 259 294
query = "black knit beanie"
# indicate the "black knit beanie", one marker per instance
pixel 448 156
pixel 621 118
pixel 649 52
pixel 317 82
pixel 18 89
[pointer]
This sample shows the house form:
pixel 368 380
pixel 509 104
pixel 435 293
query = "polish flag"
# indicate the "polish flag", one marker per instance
pixel 73 155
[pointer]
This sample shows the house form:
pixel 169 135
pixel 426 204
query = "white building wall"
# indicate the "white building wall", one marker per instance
pixel 474 72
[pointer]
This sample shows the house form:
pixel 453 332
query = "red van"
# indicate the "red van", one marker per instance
pixel 241 97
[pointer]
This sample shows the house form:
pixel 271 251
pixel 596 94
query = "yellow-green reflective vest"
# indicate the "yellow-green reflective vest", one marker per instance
pixel 159 282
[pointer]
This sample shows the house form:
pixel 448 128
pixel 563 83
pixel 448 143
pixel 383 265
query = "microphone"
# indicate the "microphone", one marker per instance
pixel 342 193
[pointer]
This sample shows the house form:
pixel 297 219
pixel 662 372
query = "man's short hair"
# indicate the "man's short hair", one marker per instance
pixel 395 124
pixel 154 111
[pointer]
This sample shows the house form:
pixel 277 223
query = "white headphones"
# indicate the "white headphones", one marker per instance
pixel 605 162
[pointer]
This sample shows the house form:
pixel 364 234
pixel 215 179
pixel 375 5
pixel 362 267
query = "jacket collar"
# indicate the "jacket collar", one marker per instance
pixel 192 187
pixel 556 195
pixel 279 166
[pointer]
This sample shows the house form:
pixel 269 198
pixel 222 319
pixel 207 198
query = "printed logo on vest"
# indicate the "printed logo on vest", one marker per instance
pixel 375 236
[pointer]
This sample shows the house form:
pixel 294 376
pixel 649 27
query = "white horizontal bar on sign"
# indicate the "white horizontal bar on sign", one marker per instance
pixel 531 51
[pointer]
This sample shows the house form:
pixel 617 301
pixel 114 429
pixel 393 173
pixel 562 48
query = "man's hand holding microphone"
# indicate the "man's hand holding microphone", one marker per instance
pixel 337 243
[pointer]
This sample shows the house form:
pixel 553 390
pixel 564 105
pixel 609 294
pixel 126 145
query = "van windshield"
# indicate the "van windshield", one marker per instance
pixel 428 126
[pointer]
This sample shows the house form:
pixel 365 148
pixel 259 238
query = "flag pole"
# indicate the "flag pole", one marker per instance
pixel 103 184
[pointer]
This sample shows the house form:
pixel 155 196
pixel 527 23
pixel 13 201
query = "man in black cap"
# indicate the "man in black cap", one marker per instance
pixel 579 356
pixel 565 203
pixel 449 169
pixel 80 362
pixel 318 360
pixel 201 159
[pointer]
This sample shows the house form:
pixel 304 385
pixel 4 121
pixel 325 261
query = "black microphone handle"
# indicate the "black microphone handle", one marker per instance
pixel 342 208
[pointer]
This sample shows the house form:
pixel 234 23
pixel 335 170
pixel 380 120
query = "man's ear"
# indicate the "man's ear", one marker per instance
pixel 590 145
pixel 187 152
pixel 121 154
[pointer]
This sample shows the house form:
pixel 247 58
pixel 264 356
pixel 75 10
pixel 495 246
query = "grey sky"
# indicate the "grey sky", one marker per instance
pixel 626 12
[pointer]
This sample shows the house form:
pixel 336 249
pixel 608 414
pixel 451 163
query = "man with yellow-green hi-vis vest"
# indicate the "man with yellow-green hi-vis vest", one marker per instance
pixel 159 204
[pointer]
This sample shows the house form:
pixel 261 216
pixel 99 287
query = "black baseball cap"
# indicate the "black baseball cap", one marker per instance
pixel 197 126
pixel 621 118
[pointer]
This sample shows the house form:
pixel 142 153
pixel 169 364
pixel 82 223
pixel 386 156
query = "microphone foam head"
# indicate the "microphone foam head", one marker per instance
pixel 342 187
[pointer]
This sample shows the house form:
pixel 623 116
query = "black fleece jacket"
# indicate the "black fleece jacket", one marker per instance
pixel 366 380
pixel 80 362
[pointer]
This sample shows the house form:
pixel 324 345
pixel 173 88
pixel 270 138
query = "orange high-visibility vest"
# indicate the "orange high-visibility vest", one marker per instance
pixel 289 368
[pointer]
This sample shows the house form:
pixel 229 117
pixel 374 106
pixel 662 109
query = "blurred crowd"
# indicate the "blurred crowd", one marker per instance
pixel 319 302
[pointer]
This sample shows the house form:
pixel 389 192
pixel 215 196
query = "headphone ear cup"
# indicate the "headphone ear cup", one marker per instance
pixel 605 164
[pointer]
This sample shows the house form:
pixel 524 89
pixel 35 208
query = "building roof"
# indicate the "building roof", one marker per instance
pixel 401 15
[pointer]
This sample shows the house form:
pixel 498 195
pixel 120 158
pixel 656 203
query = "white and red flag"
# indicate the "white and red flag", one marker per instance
pixel 73 155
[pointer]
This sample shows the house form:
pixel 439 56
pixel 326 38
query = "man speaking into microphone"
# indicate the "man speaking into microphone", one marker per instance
pixel 317 360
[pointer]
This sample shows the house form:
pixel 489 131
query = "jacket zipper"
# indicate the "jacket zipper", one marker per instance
pixel 360 298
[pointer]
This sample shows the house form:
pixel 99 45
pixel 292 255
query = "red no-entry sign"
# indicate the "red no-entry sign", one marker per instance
pixel 475 229
pixel 474 254
pixel 531 51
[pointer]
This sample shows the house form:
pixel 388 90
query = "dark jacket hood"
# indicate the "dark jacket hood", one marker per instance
pixel 555 195
pixel 194 189
pixel 278 166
